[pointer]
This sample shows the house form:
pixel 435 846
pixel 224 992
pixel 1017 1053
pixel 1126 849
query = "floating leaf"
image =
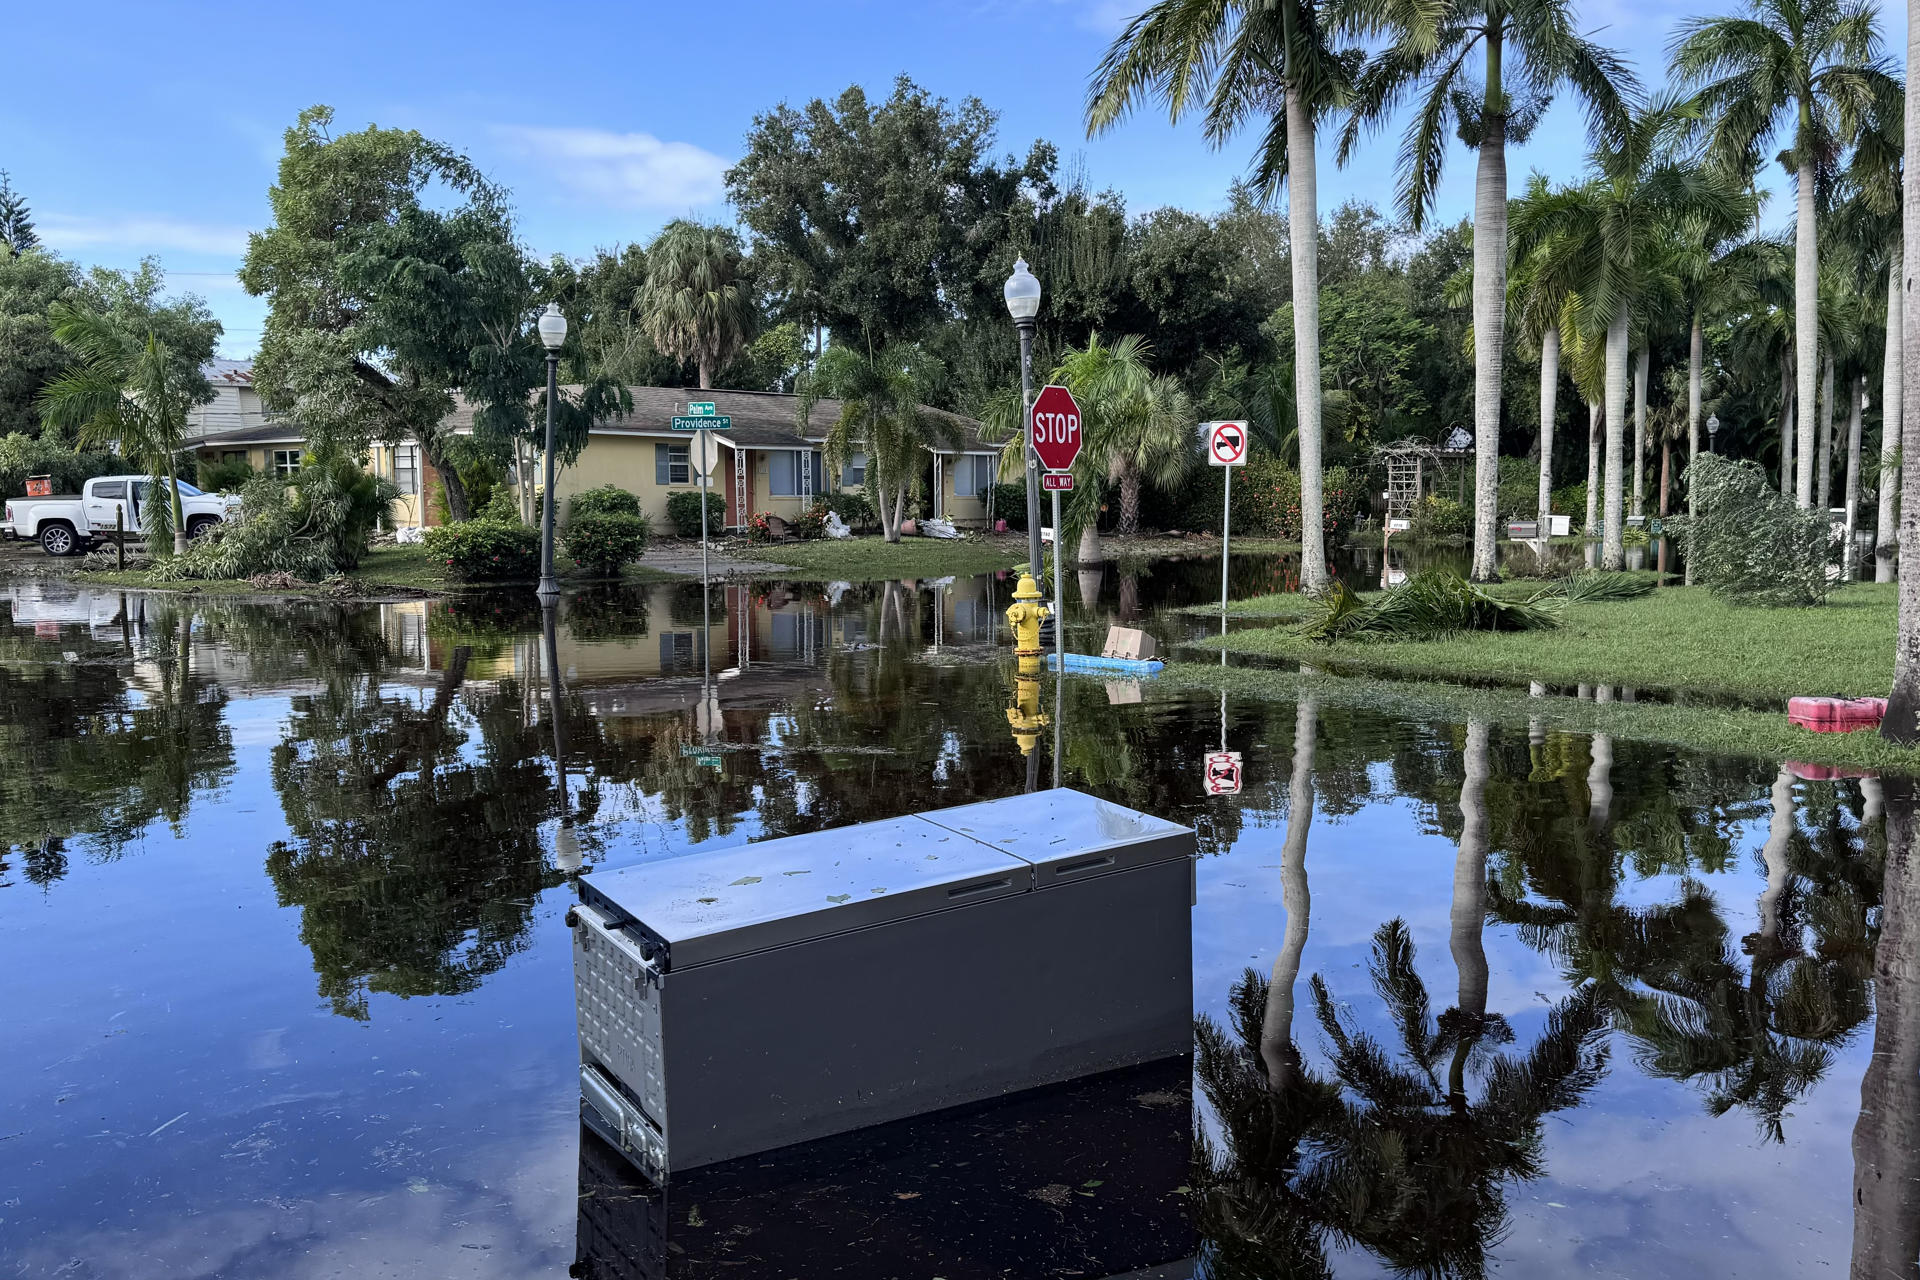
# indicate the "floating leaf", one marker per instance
pixel 839 897
pixel 745 880
pixel 709 899
pixel 1093 1182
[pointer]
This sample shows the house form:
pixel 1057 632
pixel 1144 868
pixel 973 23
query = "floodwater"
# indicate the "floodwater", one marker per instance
pixel 289 987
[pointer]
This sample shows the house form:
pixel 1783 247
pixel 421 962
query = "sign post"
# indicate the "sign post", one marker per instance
pixel 1055 432
pixel 1227 449
pixel 705 450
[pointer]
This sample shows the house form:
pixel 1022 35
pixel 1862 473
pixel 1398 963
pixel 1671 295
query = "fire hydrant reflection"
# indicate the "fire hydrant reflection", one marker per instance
pixel 1024 615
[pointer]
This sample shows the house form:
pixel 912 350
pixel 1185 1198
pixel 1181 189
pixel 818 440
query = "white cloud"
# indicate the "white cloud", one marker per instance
pixel 625 170
pixel 140 233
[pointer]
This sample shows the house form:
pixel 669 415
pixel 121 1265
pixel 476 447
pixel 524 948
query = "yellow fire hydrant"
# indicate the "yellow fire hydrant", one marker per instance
pixel 1024 616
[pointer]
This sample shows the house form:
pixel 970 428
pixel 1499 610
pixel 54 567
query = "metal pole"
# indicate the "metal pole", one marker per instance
pixel 1059 680
pixel 1059 593
pixel 1226 538
pixel 120 536
pixel 549 587
pixel 709 454
pixel 1026 328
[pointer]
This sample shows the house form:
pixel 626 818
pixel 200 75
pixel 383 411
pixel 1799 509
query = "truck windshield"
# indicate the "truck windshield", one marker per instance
pixel 187 490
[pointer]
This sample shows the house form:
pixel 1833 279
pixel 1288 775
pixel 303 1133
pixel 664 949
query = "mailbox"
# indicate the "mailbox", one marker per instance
pixel 750 998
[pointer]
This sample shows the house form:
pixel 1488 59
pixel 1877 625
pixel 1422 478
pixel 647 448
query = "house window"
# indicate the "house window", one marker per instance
pixel 973 475
pixel 787 476
pixel 672 464
pixel 855 473
pixel 286 462
pixel 233 455
pixel 406 468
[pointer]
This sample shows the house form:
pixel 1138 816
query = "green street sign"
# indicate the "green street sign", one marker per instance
pixel 710 762
pixel 719 422
pixel 700 408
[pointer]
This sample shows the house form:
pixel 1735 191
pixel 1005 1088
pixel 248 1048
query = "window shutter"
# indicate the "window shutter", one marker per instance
pixel 660 459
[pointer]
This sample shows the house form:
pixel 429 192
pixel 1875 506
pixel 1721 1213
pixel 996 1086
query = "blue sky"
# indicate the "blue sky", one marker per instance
pixel 604 119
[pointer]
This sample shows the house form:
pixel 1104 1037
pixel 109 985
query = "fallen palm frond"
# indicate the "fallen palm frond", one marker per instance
pixel 1596 588
pixel 1425 606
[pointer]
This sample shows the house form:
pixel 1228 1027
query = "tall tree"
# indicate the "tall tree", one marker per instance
pixel 697 303
pixel 882 414
pixel 1542 295
pixel 30 284
pixel 1615 228
pixel 1230 62
pixel 1530 50
pixel 1809 69
pixel 16 220
pixel 1138 427
pixel 1902 722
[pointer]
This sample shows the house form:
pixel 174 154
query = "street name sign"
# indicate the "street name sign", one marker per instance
pixel 702 422
pixel 700 408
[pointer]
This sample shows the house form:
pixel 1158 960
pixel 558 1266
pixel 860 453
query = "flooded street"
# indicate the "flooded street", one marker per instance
pixel 282 899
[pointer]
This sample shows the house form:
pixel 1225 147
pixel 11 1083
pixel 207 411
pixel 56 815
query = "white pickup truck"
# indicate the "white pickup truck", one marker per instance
pixel 69 524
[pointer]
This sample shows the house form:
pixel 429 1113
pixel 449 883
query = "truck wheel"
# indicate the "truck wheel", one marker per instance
pixel 58 539
pixel 200 524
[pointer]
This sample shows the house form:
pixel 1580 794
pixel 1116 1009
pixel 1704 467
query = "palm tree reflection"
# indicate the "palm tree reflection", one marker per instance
pixel 1405 1153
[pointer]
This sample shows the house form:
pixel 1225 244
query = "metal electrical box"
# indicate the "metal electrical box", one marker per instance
pixel 750 998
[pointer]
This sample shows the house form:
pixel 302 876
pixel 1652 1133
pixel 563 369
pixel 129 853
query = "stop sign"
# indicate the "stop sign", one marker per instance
pixel 1055 429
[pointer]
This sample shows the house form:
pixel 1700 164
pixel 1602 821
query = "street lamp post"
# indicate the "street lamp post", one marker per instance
pixel 553 335
pixel 1023 303
pixel 1713 429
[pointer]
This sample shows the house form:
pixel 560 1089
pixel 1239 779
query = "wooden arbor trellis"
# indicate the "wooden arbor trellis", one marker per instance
pixel 1407 463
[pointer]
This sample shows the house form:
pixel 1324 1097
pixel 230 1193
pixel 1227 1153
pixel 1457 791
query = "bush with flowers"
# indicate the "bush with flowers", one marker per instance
pixel 486 550
pixel 1266 499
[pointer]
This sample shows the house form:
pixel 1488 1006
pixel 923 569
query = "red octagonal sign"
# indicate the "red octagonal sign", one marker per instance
pixel 1056 428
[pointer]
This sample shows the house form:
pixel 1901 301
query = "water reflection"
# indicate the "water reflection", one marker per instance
pixel 1673 956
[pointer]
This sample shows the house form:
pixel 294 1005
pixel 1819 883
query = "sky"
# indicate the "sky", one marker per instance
pixel 604 120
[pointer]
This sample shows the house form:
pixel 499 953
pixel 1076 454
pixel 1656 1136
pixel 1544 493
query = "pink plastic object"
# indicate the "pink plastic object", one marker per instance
pixel 1827 772
pixel 1836 715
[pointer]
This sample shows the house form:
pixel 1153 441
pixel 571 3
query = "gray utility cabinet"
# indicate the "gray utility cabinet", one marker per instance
pixel 750 998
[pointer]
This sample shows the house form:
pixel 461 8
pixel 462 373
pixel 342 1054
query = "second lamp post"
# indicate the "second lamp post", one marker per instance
pixel 1023 302
pixel 553 336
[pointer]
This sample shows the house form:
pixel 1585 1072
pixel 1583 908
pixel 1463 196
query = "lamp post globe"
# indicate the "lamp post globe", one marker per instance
pixel 1022 293
pixel 553 336
pixel 1713 430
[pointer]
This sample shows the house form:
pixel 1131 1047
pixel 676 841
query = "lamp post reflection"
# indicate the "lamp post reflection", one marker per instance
pixel 566 844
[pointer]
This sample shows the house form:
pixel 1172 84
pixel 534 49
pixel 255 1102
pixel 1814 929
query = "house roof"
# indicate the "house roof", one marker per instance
pixel 265 433
pixel 761 419
pixel 223 372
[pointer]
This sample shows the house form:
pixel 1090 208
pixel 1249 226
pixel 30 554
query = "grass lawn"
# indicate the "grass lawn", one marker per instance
pixel 1763 734
pixel 383 570
pixel 1678 638
pixel 851 559
pixel 1292 606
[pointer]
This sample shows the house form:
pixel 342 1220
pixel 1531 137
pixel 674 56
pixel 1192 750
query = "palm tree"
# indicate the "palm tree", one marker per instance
pixel 696 302
pixel 1708 271
pixel 1530 51
pixel 1615 229
pixel 1278 1052
pixel 881 414
pixel 1542 297
pixel 1808 68
pixel 1136 425
pixel 128 392
pixel 1241 60
pixel 1902 722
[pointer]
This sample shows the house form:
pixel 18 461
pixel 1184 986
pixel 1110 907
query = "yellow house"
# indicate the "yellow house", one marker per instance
pixel 276 448
pixel 769 460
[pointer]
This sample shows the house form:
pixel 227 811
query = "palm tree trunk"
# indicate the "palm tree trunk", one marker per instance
pixel 1600 774
pixel 1823 461
pixel 1130 502
pixel 1902 721
pixel 1468 917
pixel 1851 497
pixel 1303 236
pixel 1640 359
pixel 179 517
pixel 1786 426
pixel 1806 329
pixel 1613 552
pixel 1773 856
pixel 1489 315
pixel 1884 529
pixel 1089 552
pixel 1549 394
pixel 1595 444
pixel 1695 358
pixel 1277 1049
pixel 1666 472
pixel 1886 1138
pixel 706 373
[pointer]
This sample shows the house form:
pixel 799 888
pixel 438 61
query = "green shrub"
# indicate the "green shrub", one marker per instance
pixel 312 527
pixel 1266 500
pixel 605 541
pixel 486 550
pixel 683 512
pixel 1438 517
pixel 855 508
pixel 1010 504
pixel 229 476
pixel 607 500
pixel 811 523
pixel 1572 501
pixel 504 506
pixel 1747 543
